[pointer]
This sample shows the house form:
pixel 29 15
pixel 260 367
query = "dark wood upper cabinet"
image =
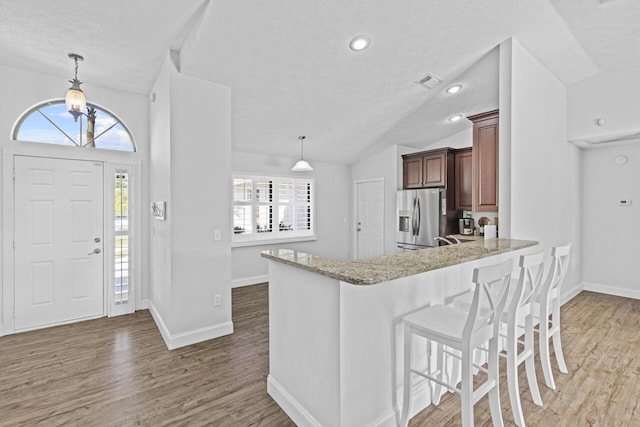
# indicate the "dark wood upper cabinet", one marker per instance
pixel 434 170
pixel 485 161
pixel 428 169
pixel 412 172
pixel 464 179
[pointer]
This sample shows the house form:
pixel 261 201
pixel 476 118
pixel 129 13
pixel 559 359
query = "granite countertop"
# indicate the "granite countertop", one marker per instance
pixel 369 271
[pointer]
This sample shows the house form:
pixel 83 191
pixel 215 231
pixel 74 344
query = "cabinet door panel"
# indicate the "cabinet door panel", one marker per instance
pixel 434 171
pixel 485 153
pixel 464 180
pixel 412 173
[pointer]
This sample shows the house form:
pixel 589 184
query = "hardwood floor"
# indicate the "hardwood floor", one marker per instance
pixel 118 372
pixel 601 345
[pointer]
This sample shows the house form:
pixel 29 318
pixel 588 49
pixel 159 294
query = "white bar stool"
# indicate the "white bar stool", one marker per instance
pixel 518 316
pixel 548 312
pixel 462 331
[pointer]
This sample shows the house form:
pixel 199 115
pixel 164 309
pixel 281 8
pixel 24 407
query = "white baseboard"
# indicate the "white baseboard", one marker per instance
pixel 570 294
pixel 420 393
pixel 248 281
pixel 302 418
pixel 183 339
pixel 611 290
pixel 291 407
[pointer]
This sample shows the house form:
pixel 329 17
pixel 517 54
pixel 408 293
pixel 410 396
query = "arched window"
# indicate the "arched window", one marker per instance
pixel 50 123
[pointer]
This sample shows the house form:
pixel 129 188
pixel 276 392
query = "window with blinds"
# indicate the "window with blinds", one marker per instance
pixel 121 231
pixel 267 208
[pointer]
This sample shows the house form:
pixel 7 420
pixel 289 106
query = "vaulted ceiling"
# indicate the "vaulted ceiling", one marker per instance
pixel 291 70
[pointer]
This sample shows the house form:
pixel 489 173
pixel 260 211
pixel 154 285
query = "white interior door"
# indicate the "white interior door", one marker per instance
pixel 370 218
pixel 58 241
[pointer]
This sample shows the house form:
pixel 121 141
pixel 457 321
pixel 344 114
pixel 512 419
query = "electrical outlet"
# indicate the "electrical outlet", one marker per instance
pixel 217 299
pixel 216 235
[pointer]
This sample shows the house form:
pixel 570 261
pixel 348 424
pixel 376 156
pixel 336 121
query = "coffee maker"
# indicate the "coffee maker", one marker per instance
pixel 466 226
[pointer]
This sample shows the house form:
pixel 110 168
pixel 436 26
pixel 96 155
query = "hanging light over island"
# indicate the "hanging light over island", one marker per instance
pixel 302 165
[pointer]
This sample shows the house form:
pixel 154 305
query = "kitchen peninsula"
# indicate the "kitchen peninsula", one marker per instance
pixel 335 332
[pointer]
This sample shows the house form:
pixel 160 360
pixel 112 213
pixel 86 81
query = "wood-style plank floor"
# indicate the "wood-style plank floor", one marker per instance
pixel 601 345
pixel 118 372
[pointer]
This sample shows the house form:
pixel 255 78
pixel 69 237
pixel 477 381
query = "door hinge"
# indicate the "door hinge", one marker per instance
pixel 14 174
pixel 14 243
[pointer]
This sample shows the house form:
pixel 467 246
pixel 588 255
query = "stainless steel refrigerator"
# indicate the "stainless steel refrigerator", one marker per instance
pixel 422 216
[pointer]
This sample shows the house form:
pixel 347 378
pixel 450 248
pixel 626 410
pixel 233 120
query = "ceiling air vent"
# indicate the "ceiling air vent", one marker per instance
pixel 613 138
pixel 429 82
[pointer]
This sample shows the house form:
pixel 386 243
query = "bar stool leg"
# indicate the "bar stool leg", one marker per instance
pixel 529 363
pixel 494 393
pixel 406 395
pixel 466 388
pixel 557 343
pixel 437 388
pixel 543 341
pixel 512 378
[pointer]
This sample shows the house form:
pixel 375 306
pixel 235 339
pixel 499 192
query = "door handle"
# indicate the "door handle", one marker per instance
pixel 97 240
pixel 95 251
pixel 359 229
pixel 418 217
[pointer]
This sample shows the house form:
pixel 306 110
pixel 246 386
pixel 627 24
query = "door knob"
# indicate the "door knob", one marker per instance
pixel 95 251
pixel 97 240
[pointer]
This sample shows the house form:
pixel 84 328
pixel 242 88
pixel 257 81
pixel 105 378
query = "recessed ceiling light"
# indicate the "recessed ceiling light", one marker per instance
pixel 455 118
pixel 360 43
pixel 453 89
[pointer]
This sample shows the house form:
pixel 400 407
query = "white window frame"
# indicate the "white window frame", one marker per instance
pixel 15 130
pixel 276 235
pixel 134 217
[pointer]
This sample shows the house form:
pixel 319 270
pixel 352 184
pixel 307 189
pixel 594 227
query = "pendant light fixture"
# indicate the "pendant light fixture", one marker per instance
pixel 75 100
pixel 302 165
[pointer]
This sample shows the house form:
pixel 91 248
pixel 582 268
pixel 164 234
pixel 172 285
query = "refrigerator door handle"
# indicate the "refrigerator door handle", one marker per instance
pixel 418 219
pixel 413 218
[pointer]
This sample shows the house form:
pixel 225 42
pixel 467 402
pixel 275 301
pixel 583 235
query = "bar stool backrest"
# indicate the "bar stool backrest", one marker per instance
pixel 531 273
pixel 557 272
pixel 489 298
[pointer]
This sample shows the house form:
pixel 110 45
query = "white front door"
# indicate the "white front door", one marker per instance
pixel 58 241
pixel 370 218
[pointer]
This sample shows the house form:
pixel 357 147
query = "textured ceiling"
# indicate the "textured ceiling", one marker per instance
pixel 292 73
pixel 123 42
pixel 609 31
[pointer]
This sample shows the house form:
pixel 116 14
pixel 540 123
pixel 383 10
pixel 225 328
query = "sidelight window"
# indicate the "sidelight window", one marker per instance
pixel 121 237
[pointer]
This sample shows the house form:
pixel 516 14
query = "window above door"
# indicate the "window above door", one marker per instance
pixel 49 122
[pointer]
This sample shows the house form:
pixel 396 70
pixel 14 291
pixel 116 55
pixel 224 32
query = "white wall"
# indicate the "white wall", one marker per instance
pixel 387 164
pixel 544 199
pixel 191 143
pixel 611 232
pixel 462 139
pixel 332 209
pixel 160 190
pixel 613 96
pixel 22 89
pixel 610 264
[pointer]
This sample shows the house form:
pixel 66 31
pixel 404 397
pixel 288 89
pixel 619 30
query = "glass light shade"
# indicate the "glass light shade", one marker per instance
pixel 75 100
pixel 302 166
